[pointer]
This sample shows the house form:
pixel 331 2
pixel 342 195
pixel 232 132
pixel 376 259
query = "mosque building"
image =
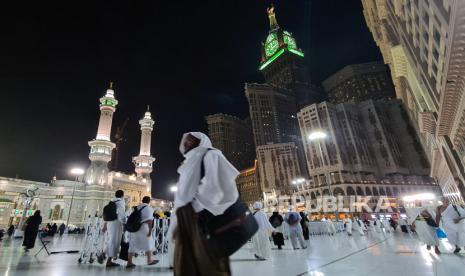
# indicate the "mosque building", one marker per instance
pixel 61 201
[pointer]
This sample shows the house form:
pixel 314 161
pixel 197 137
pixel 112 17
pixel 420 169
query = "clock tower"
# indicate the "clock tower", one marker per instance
pixel 282 64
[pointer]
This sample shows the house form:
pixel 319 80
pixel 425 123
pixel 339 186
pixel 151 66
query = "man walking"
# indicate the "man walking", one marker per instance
pixel 115 218
pixel 142 240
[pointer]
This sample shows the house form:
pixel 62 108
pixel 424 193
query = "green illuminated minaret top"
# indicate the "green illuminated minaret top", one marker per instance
pixel 277 42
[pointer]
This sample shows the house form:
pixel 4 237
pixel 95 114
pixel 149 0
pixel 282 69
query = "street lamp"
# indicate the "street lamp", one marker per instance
pixel 76 172
pixel 317 136
pixel 298 181
pixel 173 190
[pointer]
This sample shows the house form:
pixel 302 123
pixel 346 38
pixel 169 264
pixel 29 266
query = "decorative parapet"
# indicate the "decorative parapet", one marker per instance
pixel 399 61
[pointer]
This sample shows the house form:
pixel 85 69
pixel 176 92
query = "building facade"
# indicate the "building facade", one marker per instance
pixel 272 112
pixel 365 142
pixel 422 43
pixel 234 137
pixel 360 82
pixel 278 166
pixel 248 186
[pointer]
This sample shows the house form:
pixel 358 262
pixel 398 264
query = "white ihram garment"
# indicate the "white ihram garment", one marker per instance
pixel 359 227
pixel 217 190
pixel 115 230
pixel 425 232
pixel 261 239
pixel 295 231
pixel 140 241
pixel 169 236
pixel 348 223
pixel 377 226
pixel 455 231
pixel 331 227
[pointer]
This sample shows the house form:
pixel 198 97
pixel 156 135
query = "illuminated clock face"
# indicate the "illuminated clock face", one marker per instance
pixel 271 44
pixel 290 42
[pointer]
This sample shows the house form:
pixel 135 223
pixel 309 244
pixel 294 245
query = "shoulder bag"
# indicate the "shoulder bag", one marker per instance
pixel 227 233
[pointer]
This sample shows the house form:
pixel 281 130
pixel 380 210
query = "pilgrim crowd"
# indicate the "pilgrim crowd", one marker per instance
pixel 209 222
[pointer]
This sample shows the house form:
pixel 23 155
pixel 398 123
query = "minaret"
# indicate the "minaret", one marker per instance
pixel 143 161
pixel 101 147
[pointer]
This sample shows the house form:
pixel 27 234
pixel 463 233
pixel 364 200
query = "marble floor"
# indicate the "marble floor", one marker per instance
pixel 374 254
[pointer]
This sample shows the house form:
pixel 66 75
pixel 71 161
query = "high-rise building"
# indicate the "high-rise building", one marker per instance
pixel 233 137
pixel 278 166
pixel 273 113
pixel 367 142
pixel 248 186
pixel 101 147
pixel 360 82
pixel 422 42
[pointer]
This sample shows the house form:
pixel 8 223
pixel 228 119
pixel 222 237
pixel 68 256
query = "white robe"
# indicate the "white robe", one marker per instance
pixel 141 241
pixel 261 239
pixel 114 231
pixel 348 223
pixel 455 231
pixel 425 232
pixel 359 227
pixel 169 236
pixel 331 227
pixel 217 190
pixel 385 225
pixel 377 227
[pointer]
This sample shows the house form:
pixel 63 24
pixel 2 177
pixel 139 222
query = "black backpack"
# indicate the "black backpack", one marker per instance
pixel 134 222
pixel 109 212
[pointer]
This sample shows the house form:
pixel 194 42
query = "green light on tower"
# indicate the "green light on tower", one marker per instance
pixel 297 52
pixel 275 56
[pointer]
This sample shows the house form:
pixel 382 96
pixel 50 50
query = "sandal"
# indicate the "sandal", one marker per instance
pixel 112 264
pixel 153 262
pixel 130 266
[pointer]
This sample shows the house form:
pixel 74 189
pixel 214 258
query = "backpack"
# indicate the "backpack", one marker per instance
pixel 134 222
pixel 109 212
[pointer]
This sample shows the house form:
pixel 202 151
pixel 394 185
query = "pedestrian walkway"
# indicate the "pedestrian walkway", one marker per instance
pixel 375 254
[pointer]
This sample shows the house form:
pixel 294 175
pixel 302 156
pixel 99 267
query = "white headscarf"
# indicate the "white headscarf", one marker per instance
pixel 217 190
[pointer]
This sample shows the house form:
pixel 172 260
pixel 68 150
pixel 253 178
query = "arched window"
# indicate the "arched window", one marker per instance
pixel 338 191
pixel 388 191
pixel 367 191
pixel 350 191
pixel 360 191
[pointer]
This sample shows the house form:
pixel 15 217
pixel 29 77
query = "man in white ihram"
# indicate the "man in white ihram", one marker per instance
pixel 142 240
pixel 261 239
pixel 114 230
pixel 453 223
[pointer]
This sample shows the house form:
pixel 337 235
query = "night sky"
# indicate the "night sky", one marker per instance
pixel 185 60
